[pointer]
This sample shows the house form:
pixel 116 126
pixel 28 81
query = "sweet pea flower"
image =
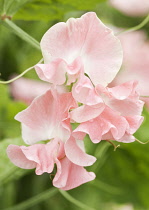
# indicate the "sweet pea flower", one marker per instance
pixel 44 156
pixel 131 7
pixel 85 54
pixel 47 117
pixel 119 119
pixel 81 45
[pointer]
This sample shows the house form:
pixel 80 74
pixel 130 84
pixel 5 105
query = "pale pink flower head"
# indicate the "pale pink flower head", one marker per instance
pixel 44 156
pixel 47 117
pixel 119 119
pixel 81 45
pixel 131 7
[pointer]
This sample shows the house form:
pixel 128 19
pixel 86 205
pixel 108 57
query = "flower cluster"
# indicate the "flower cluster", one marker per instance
pixel 81 57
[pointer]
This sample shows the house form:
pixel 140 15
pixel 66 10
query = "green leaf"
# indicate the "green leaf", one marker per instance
pixel 9 127
pixel 53 10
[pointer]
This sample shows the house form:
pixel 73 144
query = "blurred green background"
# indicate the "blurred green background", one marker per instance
pixel 122 176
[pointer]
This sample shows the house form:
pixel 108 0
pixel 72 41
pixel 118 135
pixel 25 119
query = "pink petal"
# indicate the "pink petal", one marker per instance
pixel 84 92
pixel 74 70
pixel 134 123
pixel 53 72
pixel 146 101
pixel 39 156
pixel 47 117
pixel 71 175
pixel 89 38
pixel 133 107
pixel 124 90
pixel 127 138
pixel 76 154
pixel 18 158
pixel 132 7
pixel 122 96
pixel 118 123
pixel 108 121
pixel 94 128
pixel 85 112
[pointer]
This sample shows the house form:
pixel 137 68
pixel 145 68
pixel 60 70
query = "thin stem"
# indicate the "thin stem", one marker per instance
pixel 19 32
pixel 142 142
pixel 20 75
pixel 74 201
pixel 34 200
pixel 115 146
pixel 135 28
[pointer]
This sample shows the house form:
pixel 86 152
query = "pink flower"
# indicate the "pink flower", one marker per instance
pixel 82 45
pixel 119 119
pixel 131 7
pixel 44 156
pixel 47 117
pixel 86 53
pixel 93 105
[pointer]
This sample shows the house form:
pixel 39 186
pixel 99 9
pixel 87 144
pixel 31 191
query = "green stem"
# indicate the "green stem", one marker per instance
pixel 135 28
pixel 20 75
pixel 105 187
pixel 74 201
pixel 19 32
pixel 142 142
pixel 34 200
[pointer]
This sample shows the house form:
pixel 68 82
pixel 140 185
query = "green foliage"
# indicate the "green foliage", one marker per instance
pixel 127 169
pixel 10 7
pixel 53 10
pixel 9 128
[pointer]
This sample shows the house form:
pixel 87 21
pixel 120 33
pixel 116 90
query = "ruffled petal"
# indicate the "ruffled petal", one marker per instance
pixel 39 156
pixel 109 122
pixel 53 72
pixel 122 96
pixel 134 123
pixel 84 92
pixel 71 175
pixel 125 90
pixel 88 38
pixel 94 128
pixel 76 154
pixel 47 117
pixel 18 158
pixel 85 112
